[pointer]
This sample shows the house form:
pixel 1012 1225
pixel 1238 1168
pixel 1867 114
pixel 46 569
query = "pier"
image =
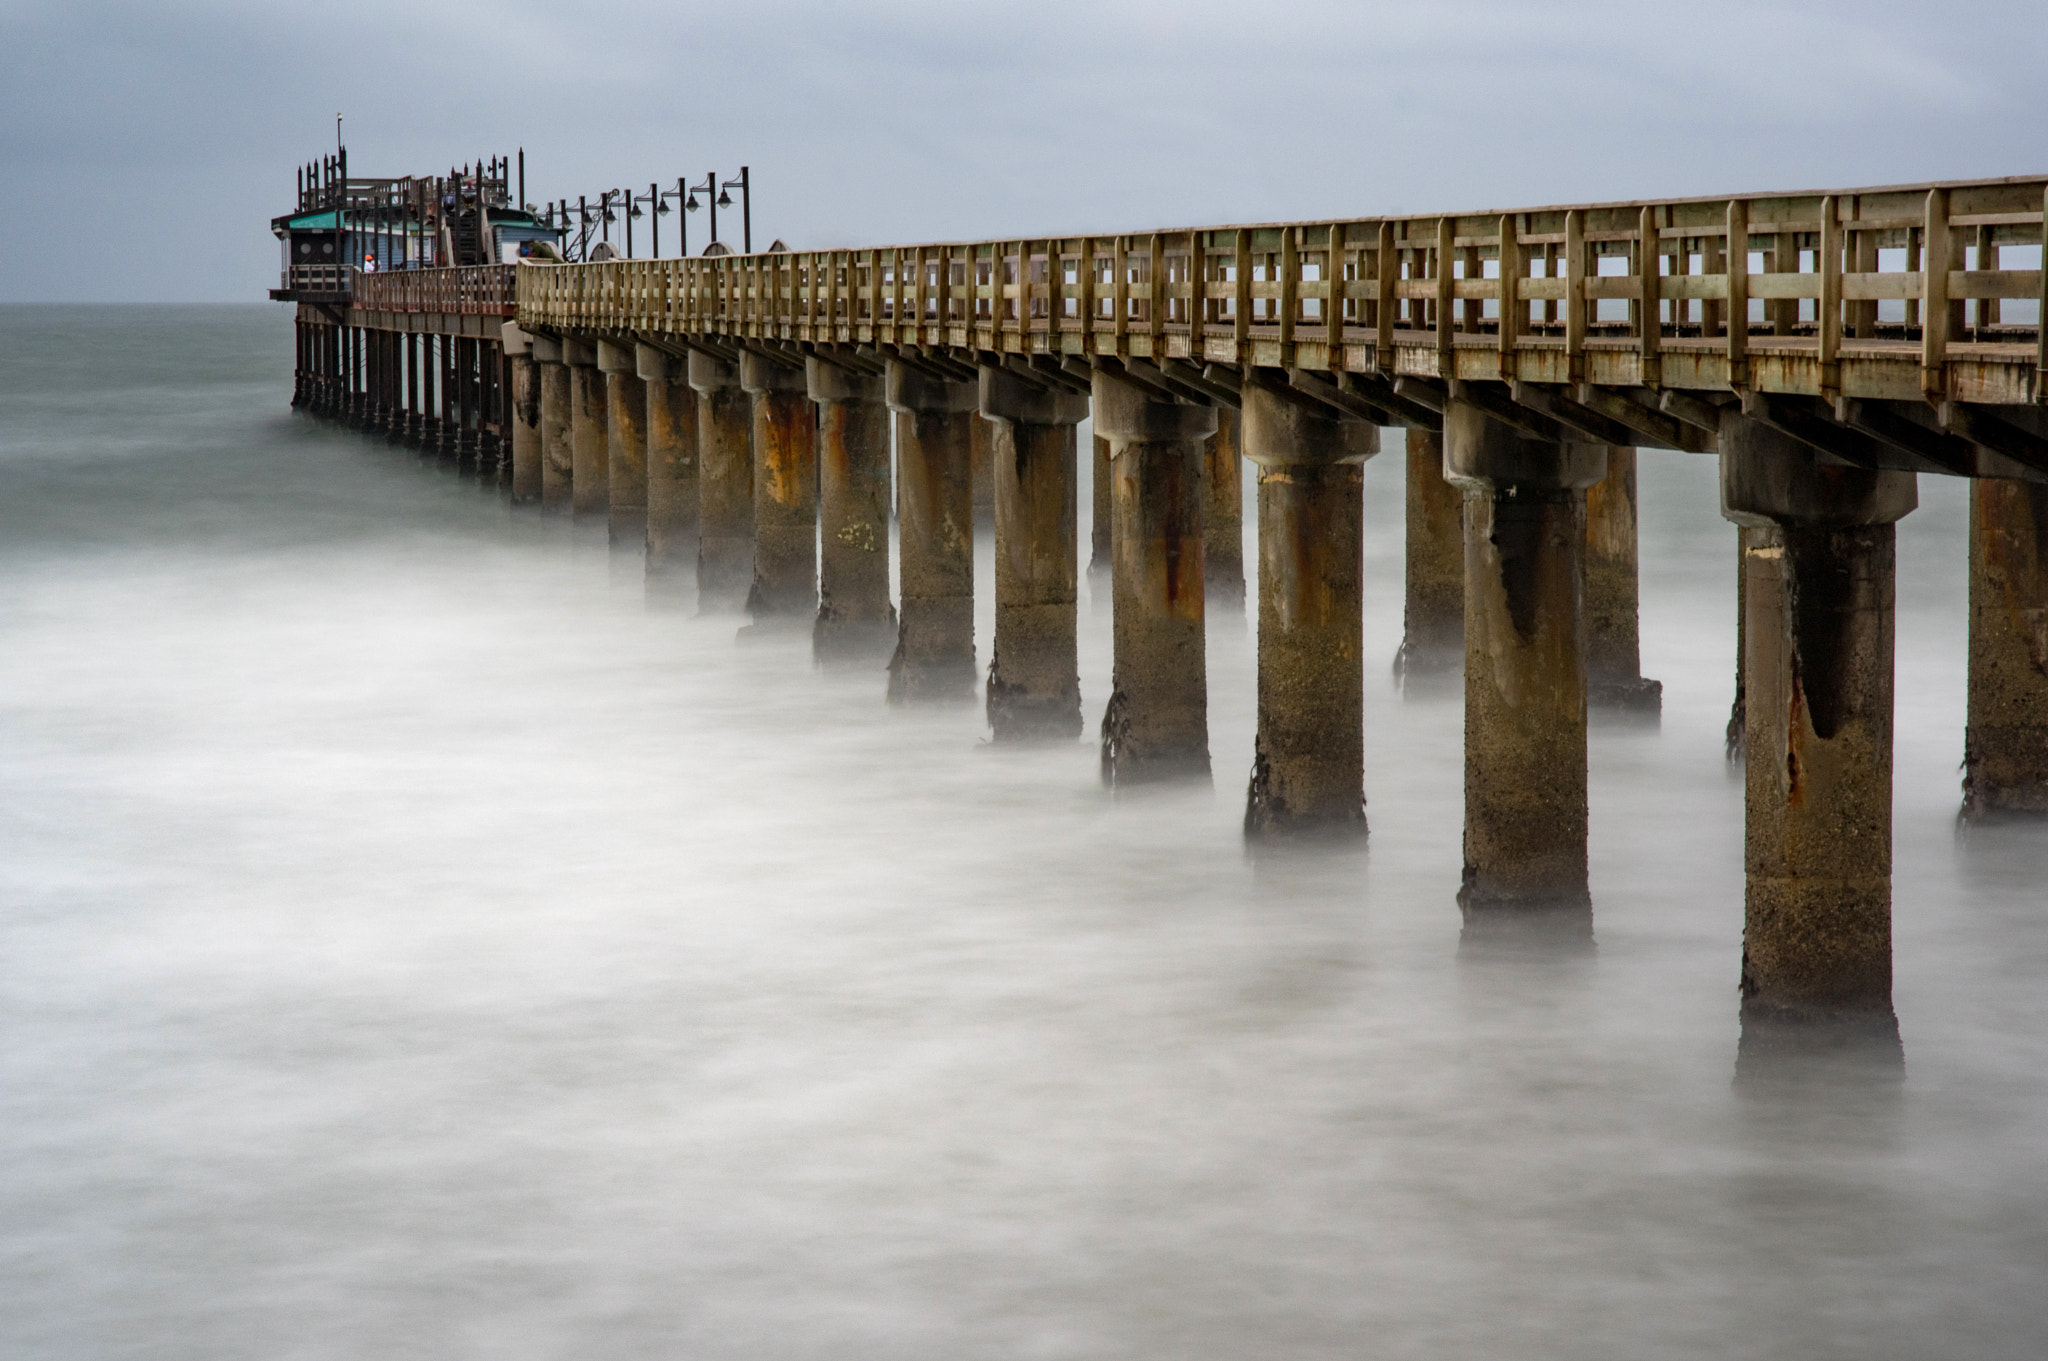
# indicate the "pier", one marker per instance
pixel 730 417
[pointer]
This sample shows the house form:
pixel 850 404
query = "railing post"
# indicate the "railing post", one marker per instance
pixel 1934 296
pixel 1510 295
pixel 1389 270
pixel 1649 251
pixel 1829 315
pixel 1738 293
pixel 1446 243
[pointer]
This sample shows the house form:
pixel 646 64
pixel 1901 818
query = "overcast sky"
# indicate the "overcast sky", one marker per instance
pixel 144 147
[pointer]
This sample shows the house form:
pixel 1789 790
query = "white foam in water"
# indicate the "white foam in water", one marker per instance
pixel 411 947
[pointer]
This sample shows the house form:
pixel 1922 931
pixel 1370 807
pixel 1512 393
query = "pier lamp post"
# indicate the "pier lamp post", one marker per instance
pixel 712 186
pixel 633 210
pixel 679 193
pixel 657 198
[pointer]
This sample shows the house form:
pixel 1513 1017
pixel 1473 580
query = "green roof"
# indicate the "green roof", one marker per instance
pixel 309 222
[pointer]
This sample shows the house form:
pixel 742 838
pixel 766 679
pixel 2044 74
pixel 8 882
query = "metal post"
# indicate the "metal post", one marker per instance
pixel 746 213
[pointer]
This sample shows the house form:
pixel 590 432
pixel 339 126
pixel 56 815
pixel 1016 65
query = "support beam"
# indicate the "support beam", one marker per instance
pixel 785 589
pixel 935 420
pixel 2005 751
pixel 1156 725
pixel 1308 763
pixel 1525 661
pixel 672 494
pixel 725 544
pixel 1818 643
pixel 1034 683
pixel 856 625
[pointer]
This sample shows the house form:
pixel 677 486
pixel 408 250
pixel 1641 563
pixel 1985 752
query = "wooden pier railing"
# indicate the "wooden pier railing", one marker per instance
pixel 476 290
pixel 1891 292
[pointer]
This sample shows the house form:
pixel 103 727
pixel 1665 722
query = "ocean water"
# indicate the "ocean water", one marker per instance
pixel 411 946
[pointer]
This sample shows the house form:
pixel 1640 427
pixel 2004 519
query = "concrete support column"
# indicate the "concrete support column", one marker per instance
pixel 1732 738
pixel 785 589
pixel 589 440
pixel 625 446
pixel 1156 725
pixel 1614 678
pixel 1818 629
pixel 1034 681
pixel 671 471
pixel 1308 762
pixel 396 419
pixel 2005 750
pixel 525 416
pixel 935 423
pixel 981 448
pixel 1223 511
pixel 1525 661
pixel 557 452
pixel 725 485
pixel 1099 515
pixel 1433 630
pixel 856 623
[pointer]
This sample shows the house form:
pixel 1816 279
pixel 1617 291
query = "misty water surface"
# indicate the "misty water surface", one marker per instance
pixel 412 947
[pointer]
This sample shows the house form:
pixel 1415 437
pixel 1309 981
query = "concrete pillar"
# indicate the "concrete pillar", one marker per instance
pixel 1308 762
pixel 1156 725
pixel 625 446
pixel 556 443
pixel 935 423
pixel 671 471
pixel 785 589
pixel 1614 678
pixel 725 485
pixel 1733 735
pixel 1223 511
pixel 2005 750
pixel 1525 661
pixel 1818 621
pixel 1099 515
pixel 856 623
pixel 981 451
pixel 1433 629
pixel 525 429
pixel 589 440
pixel 1034 682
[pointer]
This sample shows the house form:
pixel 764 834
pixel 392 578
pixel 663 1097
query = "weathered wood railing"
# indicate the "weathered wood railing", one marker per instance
pixel 484 290
pixel 1874 292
